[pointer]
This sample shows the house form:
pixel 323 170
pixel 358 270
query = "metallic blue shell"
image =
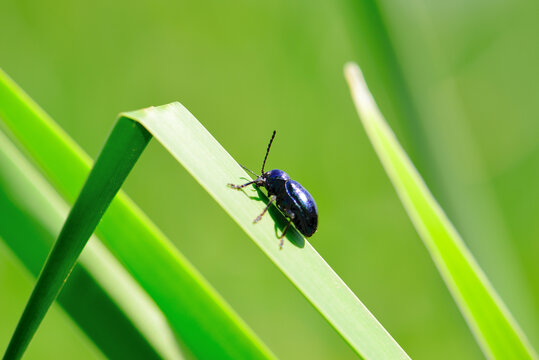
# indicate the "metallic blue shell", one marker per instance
pixel 304 208
pixel 293 200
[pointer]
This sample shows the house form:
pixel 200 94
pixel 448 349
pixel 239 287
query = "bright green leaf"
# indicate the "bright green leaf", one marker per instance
pixel 127 323
pixel 213 167
pixel 209 163
pixel 490 321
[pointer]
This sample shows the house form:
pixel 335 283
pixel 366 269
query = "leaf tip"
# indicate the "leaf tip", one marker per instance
pixel 361 95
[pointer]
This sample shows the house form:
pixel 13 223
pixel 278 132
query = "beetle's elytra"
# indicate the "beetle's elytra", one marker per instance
pixel 291 198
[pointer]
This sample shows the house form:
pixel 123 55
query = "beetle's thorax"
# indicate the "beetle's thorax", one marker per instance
pixel 274 181
pixel 276 175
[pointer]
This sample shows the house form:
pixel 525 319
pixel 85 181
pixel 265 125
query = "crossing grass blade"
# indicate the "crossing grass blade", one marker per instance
pixel 181 294
pixel 127 323
pixel 95 197
pixel 490 321
pixel 209 163
pixel 200 318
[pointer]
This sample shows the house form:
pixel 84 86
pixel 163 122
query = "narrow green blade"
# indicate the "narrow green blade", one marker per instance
pixel 209 163
pixel 126 322
pixel 213 167
pixel 490 321
pixel 130 140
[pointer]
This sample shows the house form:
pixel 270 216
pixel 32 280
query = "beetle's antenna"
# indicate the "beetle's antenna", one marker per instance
pixel 251 171
pixel 267 151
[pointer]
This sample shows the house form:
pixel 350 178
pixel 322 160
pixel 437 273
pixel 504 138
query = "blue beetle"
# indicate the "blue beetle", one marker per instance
pixel 291 198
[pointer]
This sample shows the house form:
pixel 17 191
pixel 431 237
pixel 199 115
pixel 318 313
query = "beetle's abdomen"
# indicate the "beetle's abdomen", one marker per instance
pixel 304 208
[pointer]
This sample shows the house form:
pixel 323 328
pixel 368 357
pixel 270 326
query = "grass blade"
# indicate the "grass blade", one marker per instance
pixel 200 318
pixel 128 324
pixel 127 141
pixel 490 321
pixel 429 116
pixel 213 167
pixel 191 144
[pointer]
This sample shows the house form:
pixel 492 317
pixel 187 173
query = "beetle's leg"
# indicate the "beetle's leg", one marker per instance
pixel 272 198
pixel 289 213
pixel 238 187
pixel 283 234
pixel 259 181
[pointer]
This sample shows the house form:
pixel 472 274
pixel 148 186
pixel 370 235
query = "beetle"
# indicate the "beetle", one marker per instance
pixel 290 197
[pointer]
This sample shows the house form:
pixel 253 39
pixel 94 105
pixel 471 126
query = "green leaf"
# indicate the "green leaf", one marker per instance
pixel 127 323
pixel 411 74
pixel 213 167
pixel 200 318
pixel 95 197
pixel 209 163
pixel 490 321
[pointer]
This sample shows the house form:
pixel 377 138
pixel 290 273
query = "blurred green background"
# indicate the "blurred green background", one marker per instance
pixel 458 81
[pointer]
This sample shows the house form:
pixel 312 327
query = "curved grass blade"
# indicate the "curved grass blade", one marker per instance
pixel 198 315
pixel 126 322
pixel 490 321
pixel 128 140
pixel 209 163
pixel 213 167
pixel 429 117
